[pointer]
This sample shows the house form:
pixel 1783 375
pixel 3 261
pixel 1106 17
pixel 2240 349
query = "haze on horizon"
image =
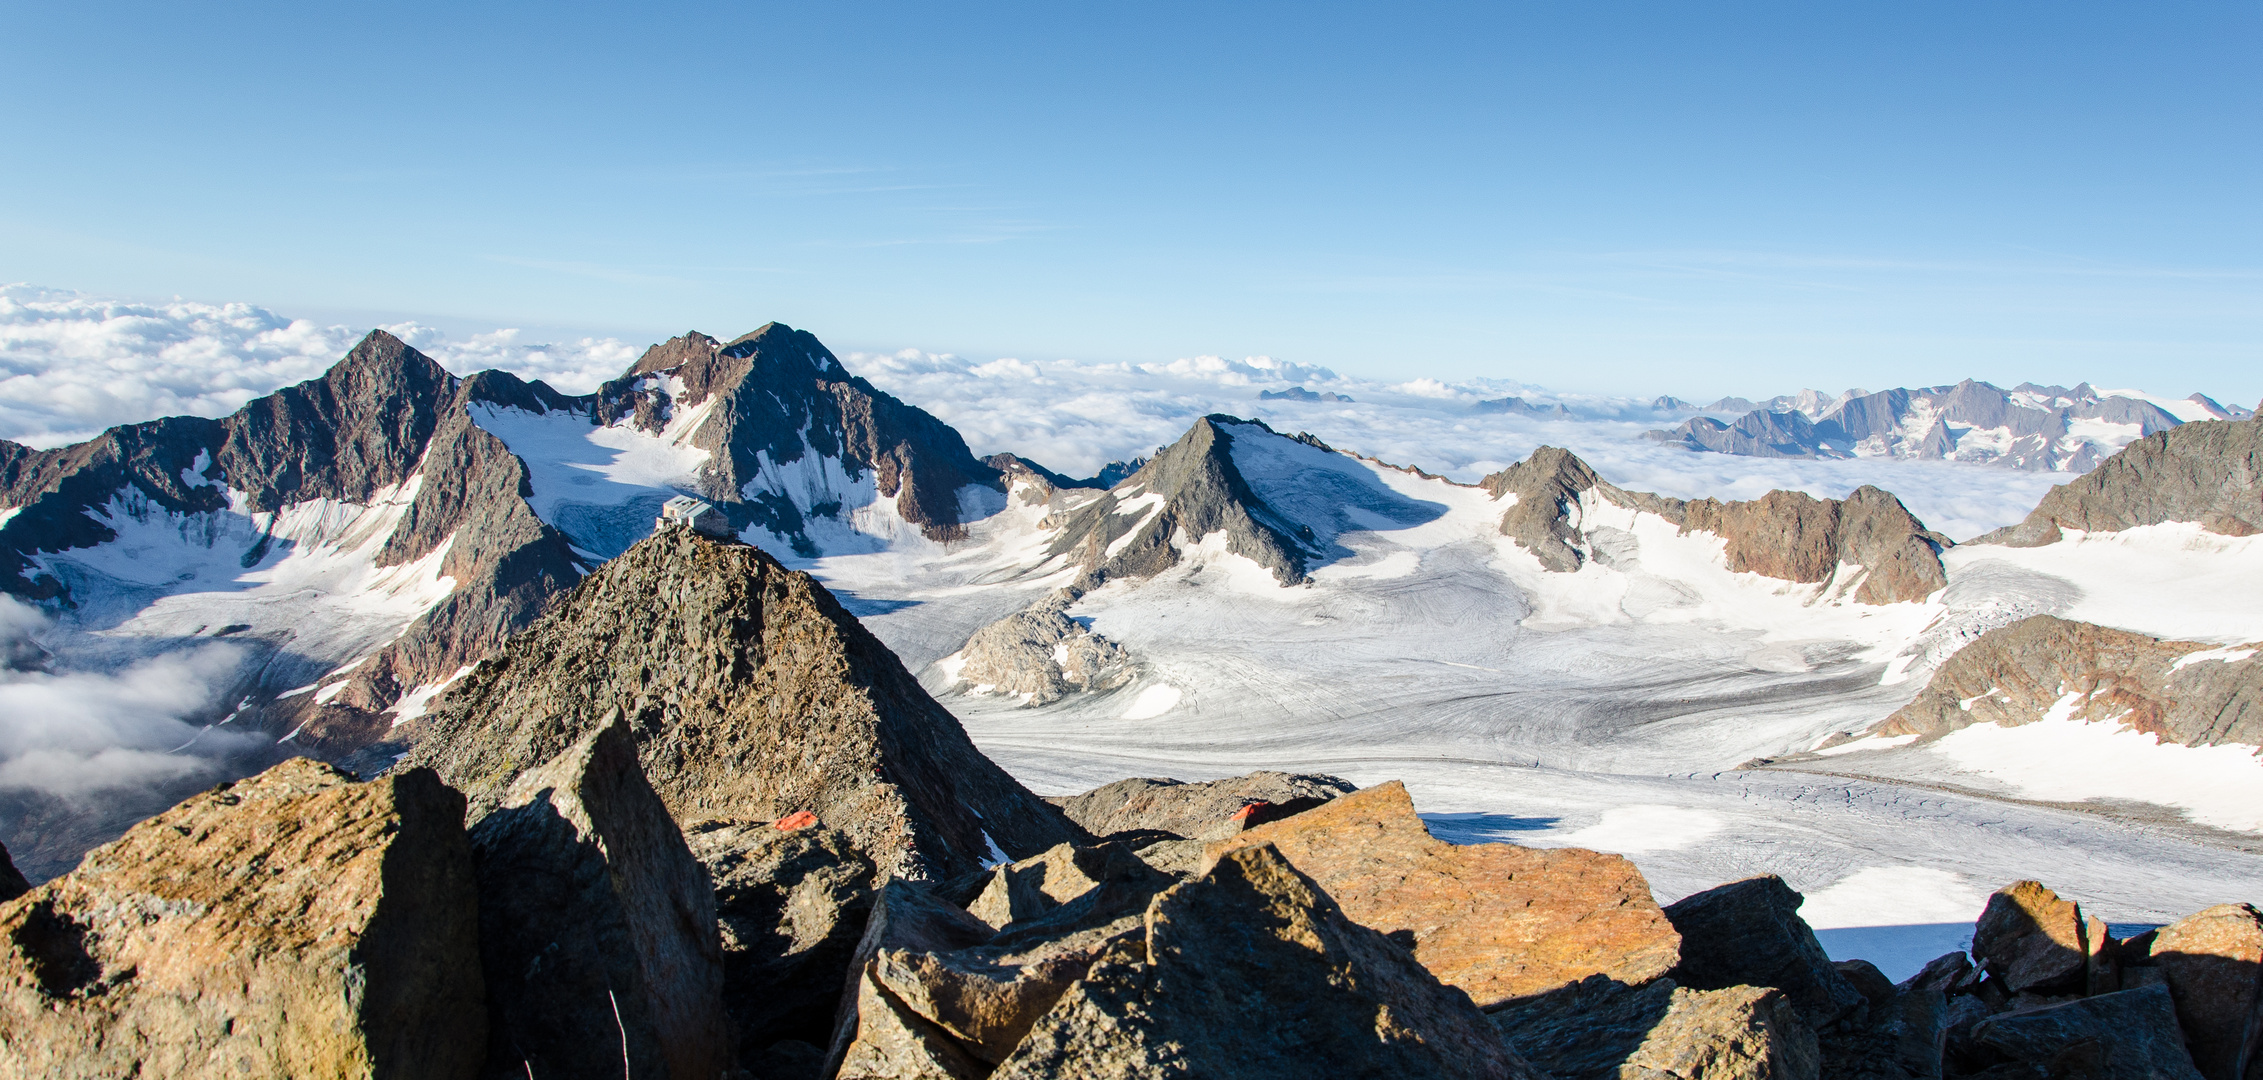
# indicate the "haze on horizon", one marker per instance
pixel 1744 199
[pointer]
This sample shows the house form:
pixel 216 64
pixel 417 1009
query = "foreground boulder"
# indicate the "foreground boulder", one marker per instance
pixel 1739 1033
pixel 877 1034
pixel 1252 971
pixel 1199 811
pixel 1749 933
pixel 596 926
pixel 2128 1035
pixel 294 924
pixel 792 903
pixel 2212 962
pixel 2032 940
pixel 1584 1031
pixel 754 696
pixel 1499 922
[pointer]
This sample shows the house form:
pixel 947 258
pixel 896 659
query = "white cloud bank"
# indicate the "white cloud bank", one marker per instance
pixel 71 365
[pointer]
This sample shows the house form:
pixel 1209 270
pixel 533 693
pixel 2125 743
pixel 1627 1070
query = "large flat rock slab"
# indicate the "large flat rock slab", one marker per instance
pixel 1498 921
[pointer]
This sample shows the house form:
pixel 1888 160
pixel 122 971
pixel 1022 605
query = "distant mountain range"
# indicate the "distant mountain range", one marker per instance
pixel 2047 428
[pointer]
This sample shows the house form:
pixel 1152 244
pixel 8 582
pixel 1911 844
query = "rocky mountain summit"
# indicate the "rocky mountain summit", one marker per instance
pixel 1785 534
pixel 2049 428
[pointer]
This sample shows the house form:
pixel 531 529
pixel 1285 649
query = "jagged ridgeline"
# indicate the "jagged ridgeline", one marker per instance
pixel 455 510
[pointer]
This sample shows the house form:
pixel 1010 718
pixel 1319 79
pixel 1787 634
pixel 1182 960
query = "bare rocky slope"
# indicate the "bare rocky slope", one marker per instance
pixel 2020 673
pixel 753 695
pixel 2210 473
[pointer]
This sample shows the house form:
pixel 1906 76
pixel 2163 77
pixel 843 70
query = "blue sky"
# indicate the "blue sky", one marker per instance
pixel 1643 198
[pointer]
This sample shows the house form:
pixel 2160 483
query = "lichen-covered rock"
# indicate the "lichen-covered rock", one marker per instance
pixel 1252 971
pixel 290 925
pixel 874 1033
pixel 2129 1035
pixel 1198 811
pixel 2210 473
pixel 1498 921
pixel 1749 933
pixel 2032 940
pixel 1734 1033
pixel 753 696
pixel 597 927
pixel 792 904
pixel 2019 674
pixel 2212 962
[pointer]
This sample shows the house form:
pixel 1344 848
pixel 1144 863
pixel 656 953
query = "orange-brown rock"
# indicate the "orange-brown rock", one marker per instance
pixel 1797 537
pixel 294 924
pixel 1499 921
pixel 2032 940
pixel 2213 963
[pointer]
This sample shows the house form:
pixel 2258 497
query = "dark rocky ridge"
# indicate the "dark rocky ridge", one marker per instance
pixel 753 696
pixel 2209 472
pixel 2015 674
pixel 1202 492
pixel 1785 534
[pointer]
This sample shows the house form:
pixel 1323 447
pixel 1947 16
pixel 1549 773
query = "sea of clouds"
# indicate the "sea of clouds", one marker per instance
pixel 73 364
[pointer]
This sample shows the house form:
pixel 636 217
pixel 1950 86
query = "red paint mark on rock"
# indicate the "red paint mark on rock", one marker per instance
pixel 1252 810
pixel 800 819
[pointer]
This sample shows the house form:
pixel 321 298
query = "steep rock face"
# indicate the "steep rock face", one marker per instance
pixel 2181 691
pixel 782 398
pixel 293 924
pixel 1787 535
pixel 596 927
pixel 1254 929
pixel 1497 921
pixel 2210 473
pixel 1796 537
pixel 753 696
pixel 1192 485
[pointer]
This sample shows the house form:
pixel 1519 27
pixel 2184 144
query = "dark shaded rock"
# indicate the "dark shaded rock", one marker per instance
pixel 1547 486
pixel 1203 810
pixel 1737 1032
pixel 1898 1037
pixel 792 905
pixel 1252 971
pixel 2131 1035
pixel 754 695
pixel 293 924
pixel 1865 977
pixel 596 926
pixel 2212 962
pixel 1950 973
pixel 2032 940
pixel 12 883
pixel 2209 472
pixel 2017 674
pixel 1497 921
pixel 1584 1031
pixel 1749 933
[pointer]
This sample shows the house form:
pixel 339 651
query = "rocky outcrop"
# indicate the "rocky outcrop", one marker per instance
pixel 1787 535
pixel 12 883
pixel 1749 933
pixel 1043 655
pixel 1205 810
pixel 1796 537
pixel 1252 930
pixel 2032 941
pixel 1497 921
pixel 2129 1035
pixel 792 904
pixel 1192 486
pixel 753 696
pixel 597 928
pixel 1737 1033
pixel 293 924
pixel 1584 1031
pixel 876 1034
pixel 1761 433
pixel 2182 691
pixel 2212 964
pixel 2210 473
